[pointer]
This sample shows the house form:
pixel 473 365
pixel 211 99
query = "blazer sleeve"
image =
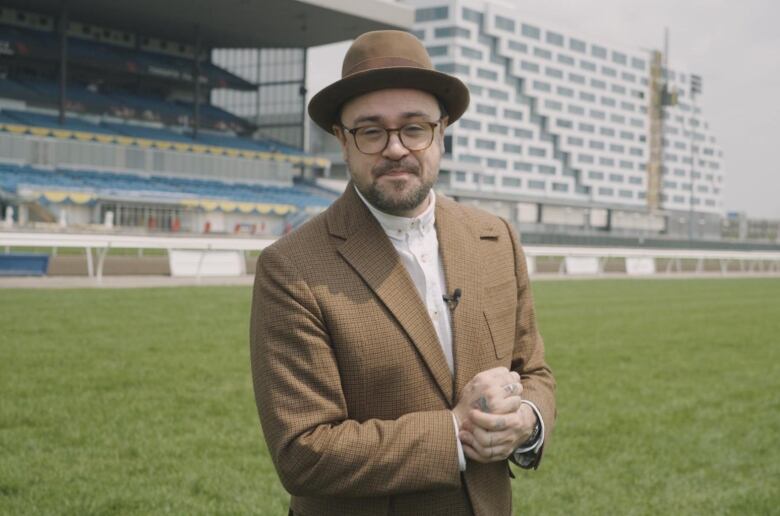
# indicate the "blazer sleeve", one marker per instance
pixel 528 355
pixel 315 446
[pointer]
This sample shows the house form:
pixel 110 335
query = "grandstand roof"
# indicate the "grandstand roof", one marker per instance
pixel 236 23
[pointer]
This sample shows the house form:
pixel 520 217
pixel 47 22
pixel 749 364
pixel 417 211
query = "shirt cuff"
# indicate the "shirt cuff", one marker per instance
pixel 461 456
pixel 525 456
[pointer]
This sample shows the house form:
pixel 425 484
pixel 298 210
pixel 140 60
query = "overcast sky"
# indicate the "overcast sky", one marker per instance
pixel 733 45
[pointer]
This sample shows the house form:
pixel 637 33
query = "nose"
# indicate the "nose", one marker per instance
pixel 394 150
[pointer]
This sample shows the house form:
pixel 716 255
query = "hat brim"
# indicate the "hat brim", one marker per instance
pixel 325 106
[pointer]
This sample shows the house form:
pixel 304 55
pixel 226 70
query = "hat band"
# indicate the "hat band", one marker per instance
pixel 382 62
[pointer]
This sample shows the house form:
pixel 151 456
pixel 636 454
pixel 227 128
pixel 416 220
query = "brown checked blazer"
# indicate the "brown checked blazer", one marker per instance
pixel 351 383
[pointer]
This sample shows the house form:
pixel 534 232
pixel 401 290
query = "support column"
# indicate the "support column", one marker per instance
pixel 196 78
pixel 63 28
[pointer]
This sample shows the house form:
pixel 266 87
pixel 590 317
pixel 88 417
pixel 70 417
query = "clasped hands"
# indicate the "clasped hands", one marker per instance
pixel 493 420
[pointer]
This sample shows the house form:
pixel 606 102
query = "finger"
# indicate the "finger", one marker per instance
pixel 485 454
pixel 513 389
pixel 507 405
pixel 489 439
pixel 473 455
pixel 495 422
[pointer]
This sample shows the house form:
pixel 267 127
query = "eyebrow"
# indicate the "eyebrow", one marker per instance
pixel 377 118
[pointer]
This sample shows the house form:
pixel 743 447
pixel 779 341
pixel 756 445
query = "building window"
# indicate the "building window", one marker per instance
pixel 606 131
pixel 546 170
pixel 587 97
pixel 498 129
pixel 486 110
pixel 487 74
pixel 541 85
pixel 564 91
pixel 529 67
pixel 597 51
pixel 587 65
pixel 519 47
pixel 637 63
pixel 619 58
pixel 577 78
pixel 609 71
pixel 498 95
pixel 522 166
pixel 431 14
pixel 530 31
pixel 513 148
pixel 536 185
pixel 465 123
pixel 544 54
pixel 524 133
pixel 470 53
pixel 440 50
pixel 577 45
pixel 599 84
pixel 505 24
pixel 496 163
pixel 537 151
pixel 576 110
pixel 608 192
pixel 449 32
pixel 587 128
pixel 553 72
pixel 560 187
pixel 472 15
pixel 597 114
pixel 485 144
pixel 512 182
pixel 554 38
pixel 573 140
pixel 512 114
pixel 615 178
pixel 564 59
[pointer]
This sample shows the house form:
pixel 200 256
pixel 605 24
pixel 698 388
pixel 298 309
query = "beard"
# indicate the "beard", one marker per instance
pixel 397 197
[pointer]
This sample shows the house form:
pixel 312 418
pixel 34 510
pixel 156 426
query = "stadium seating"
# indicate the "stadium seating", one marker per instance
pixel 14 178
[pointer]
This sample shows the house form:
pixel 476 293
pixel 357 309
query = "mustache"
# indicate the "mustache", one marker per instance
pixel 390 166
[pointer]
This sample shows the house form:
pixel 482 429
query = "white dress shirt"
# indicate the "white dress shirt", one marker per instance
pixel 417 244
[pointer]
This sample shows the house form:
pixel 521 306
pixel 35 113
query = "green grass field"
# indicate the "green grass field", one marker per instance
pixel 140 401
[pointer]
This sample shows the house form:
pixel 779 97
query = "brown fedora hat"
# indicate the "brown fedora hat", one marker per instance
pixel 387 59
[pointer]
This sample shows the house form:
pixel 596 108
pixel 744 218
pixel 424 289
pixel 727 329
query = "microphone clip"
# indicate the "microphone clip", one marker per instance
pixel 452 300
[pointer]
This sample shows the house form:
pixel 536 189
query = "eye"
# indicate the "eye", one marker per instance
pixel 414 130
pixel 370 132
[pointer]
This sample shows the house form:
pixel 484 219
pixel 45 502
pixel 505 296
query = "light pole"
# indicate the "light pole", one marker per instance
pixel 695 89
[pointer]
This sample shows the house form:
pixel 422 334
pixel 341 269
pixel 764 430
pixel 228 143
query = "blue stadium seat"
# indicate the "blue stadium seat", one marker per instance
pixel 12 177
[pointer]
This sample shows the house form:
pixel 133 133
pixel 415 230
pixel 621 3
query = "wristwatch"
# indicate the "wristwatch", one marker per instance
pixel 534 435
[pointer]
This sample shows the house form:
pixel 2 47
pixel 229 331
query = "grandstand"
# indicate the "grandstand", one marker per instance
pixel 106 121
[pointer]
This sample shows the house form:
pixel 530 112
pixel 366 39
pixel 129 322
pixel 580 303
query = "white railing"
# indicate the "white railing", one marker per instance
pixel 98 245
pixel 573 260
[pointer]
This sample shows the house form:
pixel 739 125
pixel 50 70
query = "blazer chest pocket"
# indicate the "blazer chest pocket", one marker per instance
pixel 500 311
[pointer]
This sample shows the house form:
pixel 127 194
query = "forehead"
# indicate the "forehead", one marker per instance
pixel 390 104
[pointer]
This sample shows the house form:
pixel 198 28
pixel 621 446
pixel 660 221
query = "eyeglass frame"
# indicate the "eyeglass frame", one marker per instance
pixel 387 130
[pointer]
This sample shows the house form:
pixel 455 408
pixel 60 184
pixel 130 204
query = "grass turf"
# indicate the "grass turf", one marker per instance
pixel 140 401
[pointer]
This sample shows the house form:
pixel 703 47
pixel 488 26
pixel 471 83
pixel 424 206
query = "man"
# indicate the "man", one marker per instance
pixel 395 356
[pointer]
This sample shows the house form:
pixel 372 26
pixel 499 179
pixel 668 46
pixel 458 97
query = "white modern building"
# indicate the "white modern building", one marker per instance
pixel 566 132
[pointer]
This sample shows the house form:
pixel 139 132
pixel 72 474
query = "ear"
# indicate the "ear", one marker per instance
pixel 442 128
pixel 340 135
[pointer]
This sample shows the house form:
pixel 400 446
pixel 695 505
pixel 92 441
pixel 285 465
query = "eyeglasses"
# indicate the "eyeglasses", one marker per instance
pixel 373 139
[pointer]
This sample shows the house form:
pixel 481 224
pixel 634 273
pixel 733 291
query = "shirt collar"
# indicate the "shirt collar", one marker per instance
pixel 398 227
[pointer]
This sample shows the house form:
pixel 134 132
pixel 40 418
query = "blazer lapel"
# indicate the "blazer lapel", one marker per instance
pixel 369 251
pixel 459 250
